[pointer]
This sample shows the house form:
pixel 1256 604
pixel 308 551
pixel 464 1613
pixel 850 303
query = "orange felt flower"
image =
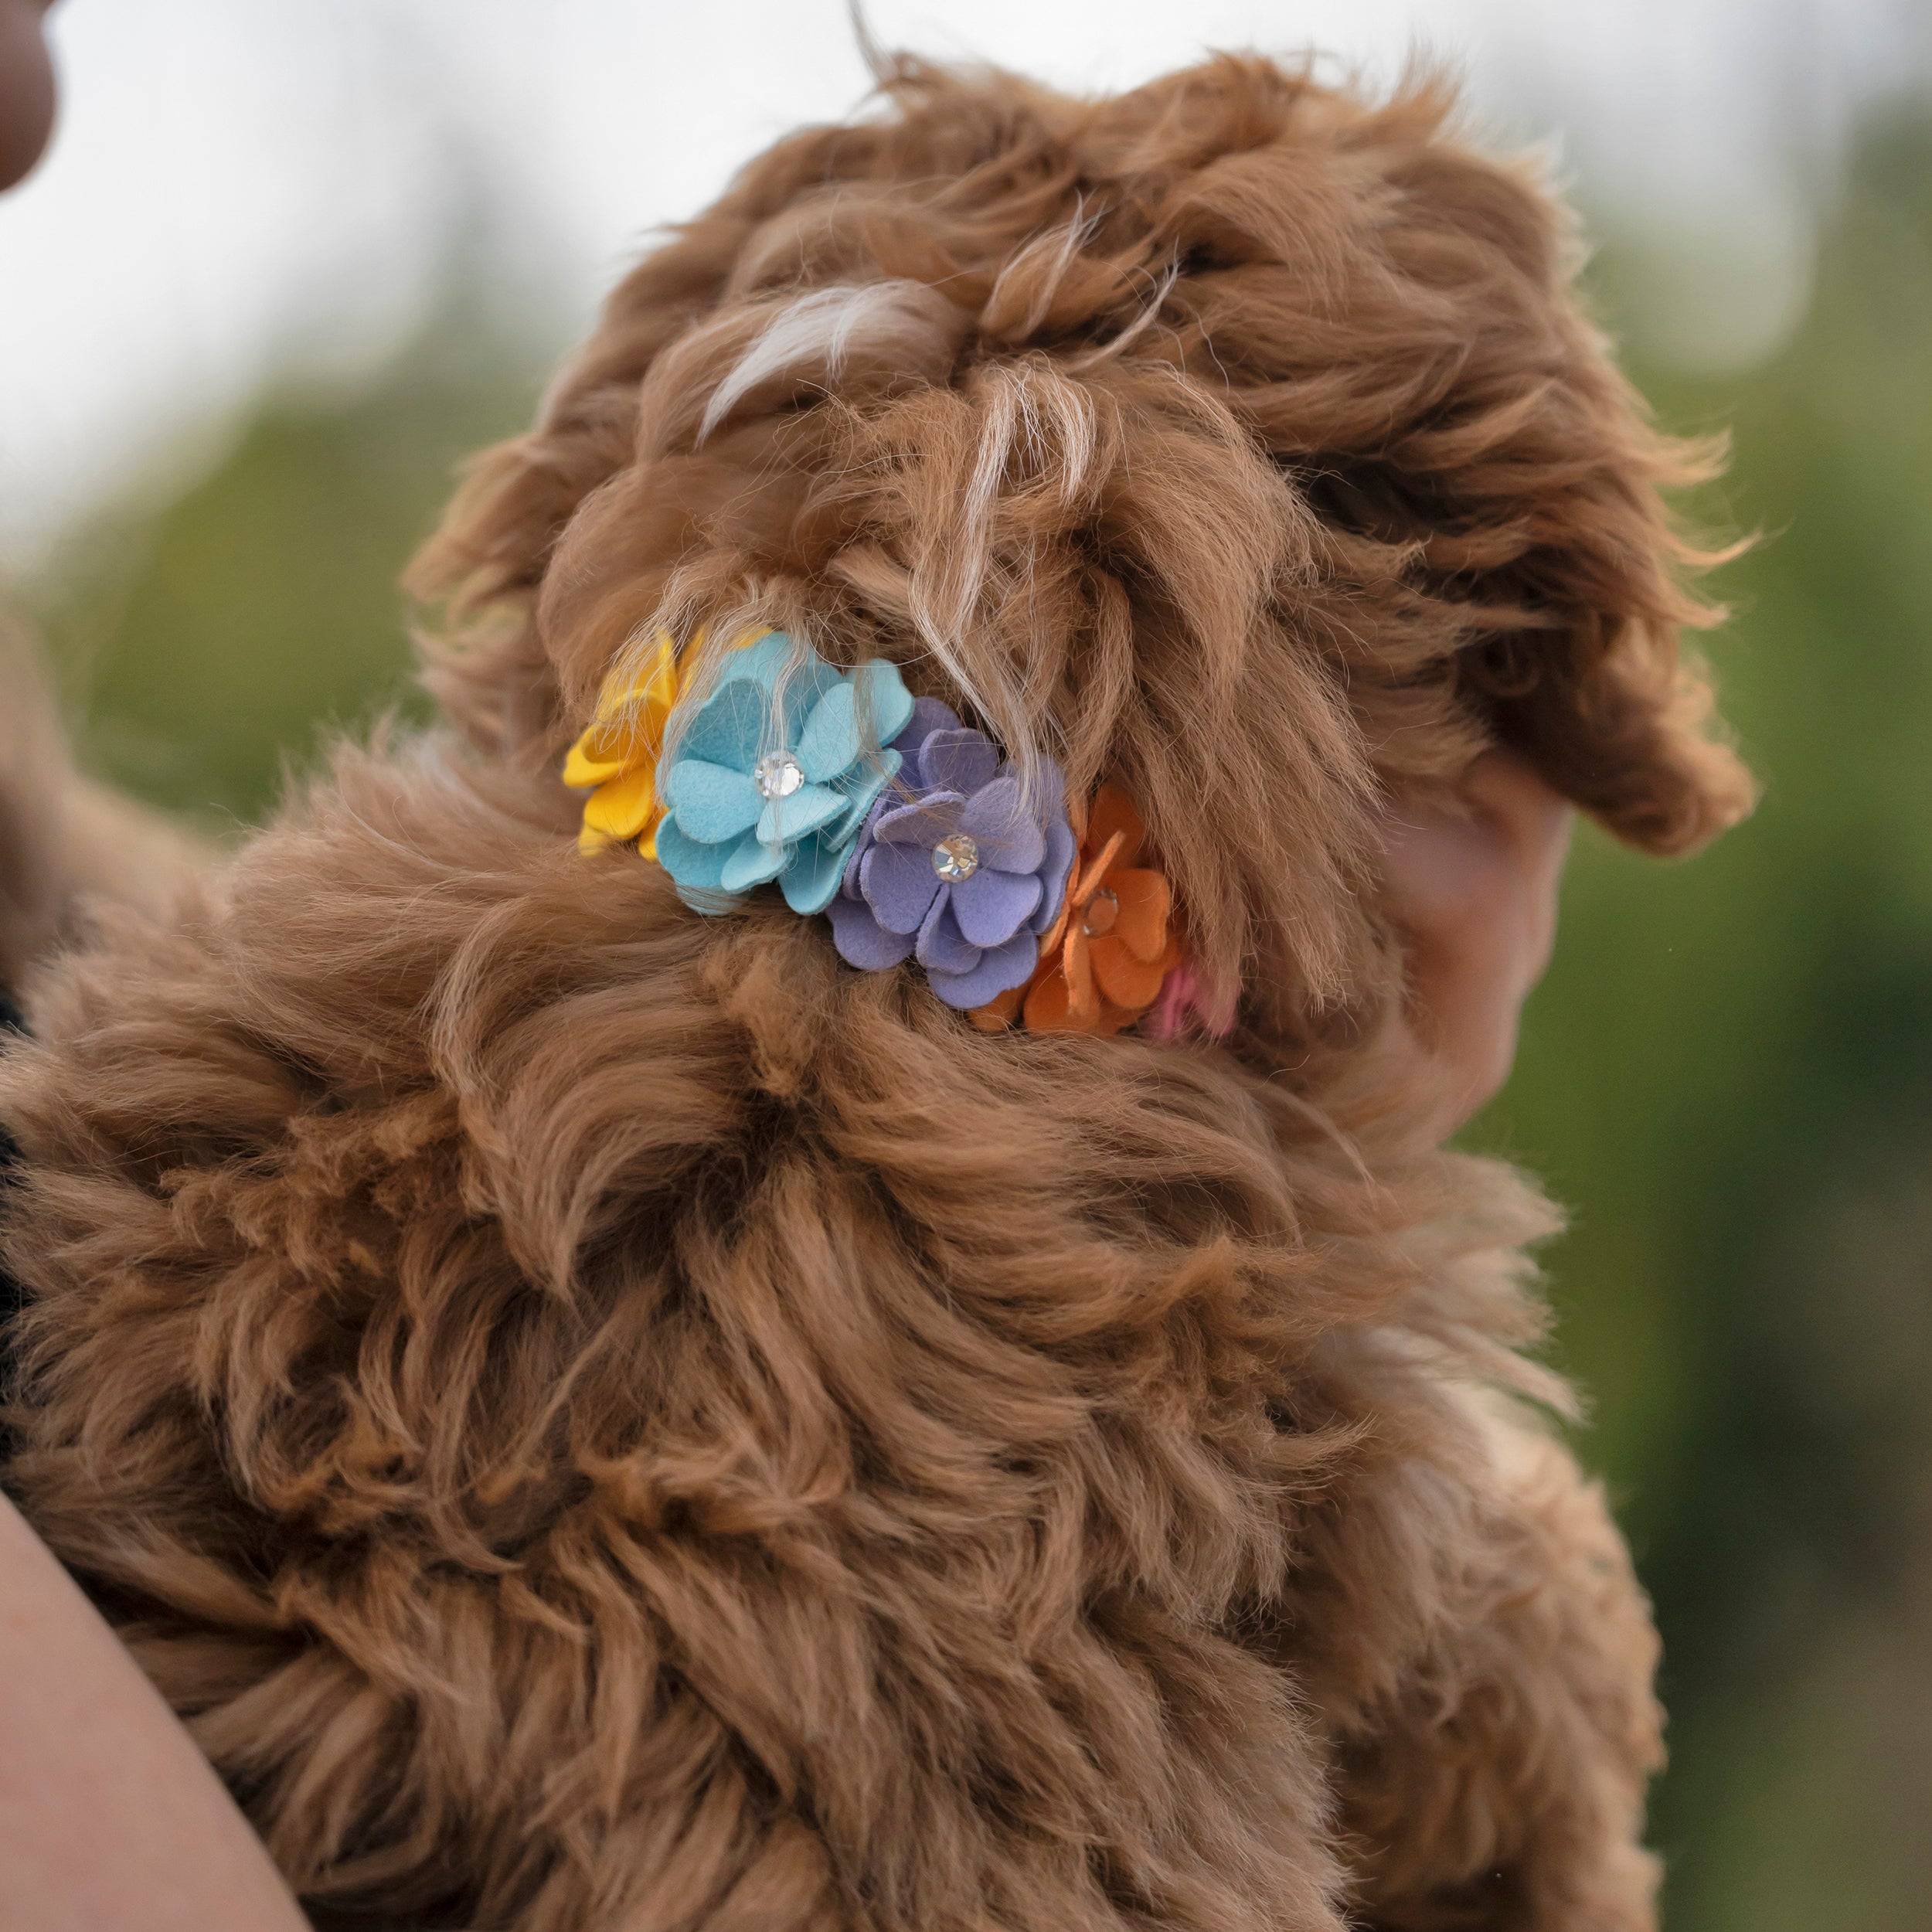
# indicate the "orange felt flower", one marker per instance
pixel 1103 961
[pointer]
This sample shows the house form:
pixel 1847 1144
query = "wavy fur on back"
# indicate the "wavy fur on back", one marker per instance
pixel 602 1418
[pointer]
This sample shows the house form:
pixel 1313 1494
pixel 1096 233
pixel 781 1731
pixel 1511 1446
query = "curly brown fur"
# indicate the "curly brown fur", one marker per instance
pixel 604 1417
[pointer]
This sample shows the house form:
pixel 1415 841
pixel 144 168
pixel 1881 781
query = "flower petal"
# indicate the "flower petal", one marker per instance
pixel 623 808
pixel 1145 902
pixel 1056 869
pixel 628 727
pixel 696 867
pixel 801 689
pixel 785 820
pixel 862 942
pixel 1053 935
pixel 960 760
pixel 1001 970
pixel 929 715
pixel 1124 980
pixel 811 878
pixel 942 947
pixel 1000 1012
pixel 710 802
pixel 829 739
pixel 731 725
pixel 762 658
pixel 924 822
pixel 1048 1006
pixel 752 863
pixel 855 854
pixel 1008 835
pixel 1113 812
pixel 885 705
pixel 993 905
pixel 863 785
pixel 897 882
pixel 1063 999
pixel 650 682
pixel 584 767
pixel 862 713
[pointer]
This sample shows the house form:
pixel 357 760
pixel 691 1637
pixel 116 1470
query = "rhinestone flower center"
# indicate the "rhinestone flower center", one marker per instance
pixel 1096 921
pixel 778 774
pixel 956 858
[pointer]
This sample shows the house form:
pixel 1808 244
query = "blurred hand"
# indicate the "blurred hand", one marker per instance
pixel 26 87
pixel 1474 893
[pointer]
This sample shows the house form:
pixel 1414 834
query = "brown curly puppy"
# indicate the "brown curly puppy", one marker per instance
pixel 604 1417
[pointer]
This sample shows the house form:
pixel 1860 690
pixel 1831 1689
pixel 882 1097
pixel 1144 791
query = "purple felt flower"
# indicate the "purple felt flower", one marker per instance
pixel 954 866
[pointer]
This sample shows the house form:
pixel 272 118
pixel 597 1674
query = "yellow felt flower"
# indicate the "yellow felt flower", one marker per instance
pixel 616 759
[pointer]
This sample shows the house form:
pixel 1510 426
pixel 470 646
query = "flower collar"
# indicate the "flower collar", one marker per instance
pixel 903 825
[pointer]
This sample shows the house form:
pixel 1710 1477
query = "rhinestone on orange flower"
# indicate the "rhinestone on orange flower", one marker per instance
pixel 1103 961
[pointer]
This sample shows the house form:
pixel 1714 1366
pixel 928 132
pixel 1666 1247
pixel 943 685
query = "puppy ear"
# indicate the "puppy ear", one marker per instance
pixel 1586 674
pixel 1498 488
pixel 1547 490
pixel 1392 315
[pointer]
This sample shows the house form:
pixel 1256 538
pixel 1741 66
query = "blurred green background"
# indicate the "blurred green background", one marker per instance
pixel 1727 1076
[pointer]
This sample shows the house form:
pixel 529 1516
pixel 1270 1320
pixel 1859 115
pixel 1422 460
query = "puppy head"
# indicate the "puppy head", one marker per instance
pixel 1234 439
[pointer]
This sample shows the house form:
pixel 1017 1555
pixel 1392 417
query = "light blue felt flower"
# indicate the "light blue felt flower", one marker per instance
pixel 773 776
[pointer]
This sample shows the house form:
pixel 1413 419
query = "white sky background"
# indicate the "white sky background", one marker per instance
pixel 247 191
